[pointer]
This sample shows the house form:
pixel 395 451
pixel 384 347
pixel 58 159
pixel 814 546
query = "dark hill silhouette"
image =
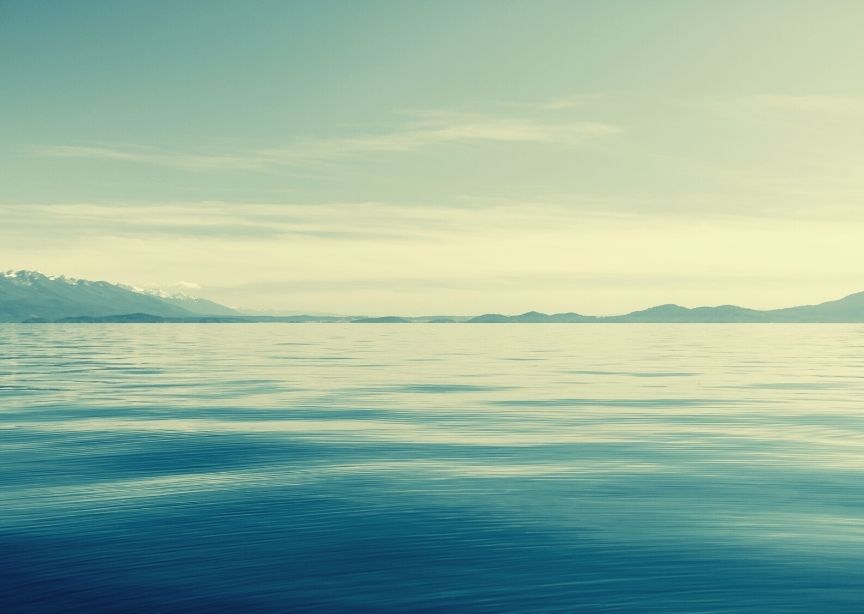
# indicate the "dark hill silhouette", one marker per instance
pixel 849 309
pixel 33 297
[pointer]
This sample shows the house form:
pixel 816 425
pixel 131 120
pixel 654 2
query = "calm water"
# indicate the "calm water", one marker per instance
pixel 432 468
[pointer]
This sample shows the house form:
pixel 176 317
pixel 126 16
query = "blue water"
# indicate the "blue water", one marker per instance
pixel 432 468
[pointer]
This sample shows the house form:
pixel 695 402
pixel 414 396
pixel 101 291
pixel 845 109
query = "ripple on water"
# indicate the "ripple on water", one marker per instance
pixel 335 468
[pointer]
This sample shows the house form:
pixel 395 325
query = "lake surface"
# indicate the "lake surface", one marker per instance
pixel 432 468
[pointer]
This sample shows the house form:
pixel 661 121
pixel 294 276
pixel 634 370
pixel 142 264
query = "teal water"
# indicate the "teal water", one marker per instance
pixel 432 468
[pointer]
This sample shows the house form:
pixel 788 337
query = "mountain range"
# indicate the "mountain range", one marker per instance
pixel 29 296
pixel 849 309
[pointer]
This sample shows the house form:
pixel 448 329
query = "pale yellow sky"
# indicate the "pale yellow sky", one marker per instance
pixel 438 260
pixel 556 156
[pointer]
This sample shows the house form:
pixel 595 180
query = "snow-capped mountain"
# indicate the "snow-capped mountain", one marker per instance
pixel 28 295
pixel 195 304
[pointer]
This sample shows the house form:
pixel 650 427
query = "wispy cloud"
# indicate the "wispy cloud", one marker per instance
pixel 157 157
pixel 572 101
pixel 422 223
pixel 824 104
pixel 425 129
pixel 372 257
pixel 781 107
pixel 231 222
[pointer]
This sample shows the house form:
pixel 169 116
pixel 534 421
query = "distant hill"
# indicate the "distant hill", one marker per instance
pixel 196 305
pixel 676 313
pixel 145 318
pixel 849 309
pixel 534 317
pixel 29 295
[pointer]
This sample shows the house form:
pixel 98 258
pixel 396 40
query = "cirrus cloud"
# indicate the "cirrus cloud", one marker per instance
pixel 426 129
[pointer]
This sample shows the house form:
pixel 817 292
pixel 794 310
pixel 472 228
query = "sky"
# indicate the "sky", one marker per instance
pixel 447 157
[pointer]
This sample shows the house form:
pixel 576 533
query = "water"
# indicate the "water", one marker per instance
pixel 432 468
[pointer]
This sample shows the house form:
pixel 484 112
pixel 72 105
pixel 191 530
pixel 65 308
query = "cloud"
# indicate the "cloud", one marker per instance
pixel 573 101
pixel 439 127
pixel 426 129
pixel 154 156
pixel 780 107
pixel 187 285
pixel 236 223
pixel 223 221
pixel 494 257
pixel 824 104
pixel 226 221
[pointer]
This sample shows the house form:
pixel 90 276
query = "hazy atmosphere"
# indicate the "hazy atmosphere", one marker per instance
pixel 446 157
pixel 431 306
